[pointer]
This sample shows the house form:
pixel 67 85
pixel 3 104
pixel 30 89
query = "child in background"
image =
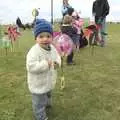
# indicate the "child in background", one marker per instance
pixel 77 23
pixel 71 31
pixel 42 60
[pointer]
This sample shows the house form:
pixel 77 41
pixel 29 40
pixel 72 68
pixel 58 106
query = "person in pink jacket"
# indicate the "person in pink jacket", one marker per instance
pixel 77 23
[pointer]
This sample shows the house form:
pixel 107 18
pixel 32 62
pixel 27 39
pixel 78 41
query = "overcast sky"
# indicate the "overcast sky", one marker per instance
pixel 11 9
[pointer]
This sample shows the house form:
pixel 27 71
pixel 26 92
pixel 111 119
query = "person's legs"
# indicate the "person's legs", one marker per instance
pixel 77 42
pixel 70 58
pixel 93 38
pixel 103 32
pixel 76 38
pixel 39 102
pixel 49 100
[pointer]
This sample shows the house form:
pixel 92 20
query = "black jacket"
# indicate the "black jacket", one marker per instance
pixel 69 30
pixel 100 8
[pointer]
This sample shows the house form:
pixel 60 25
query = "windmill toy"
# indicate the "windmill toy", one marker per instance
pixel 64 46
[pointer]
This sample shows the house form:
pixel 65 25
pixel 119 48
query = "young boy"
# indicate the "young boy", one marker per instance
pixel 42 59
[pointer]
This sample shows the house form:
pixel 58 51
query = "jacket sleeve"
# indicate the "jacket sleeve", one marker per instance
pixel 34 65
pixel 107 9
pixel 93 9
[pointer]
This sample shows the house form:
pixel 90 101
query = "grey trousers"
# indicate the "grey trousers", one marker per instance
pixel 39 104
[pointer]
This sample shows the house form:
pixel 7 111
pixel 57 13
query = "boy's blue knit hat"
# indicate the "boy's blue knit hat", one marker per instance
pixel 41 25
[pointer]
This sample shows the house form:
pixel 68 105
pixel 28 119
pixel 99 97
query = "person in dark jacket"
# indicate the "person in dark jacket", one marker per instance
pixel 100 10
pixel 71 31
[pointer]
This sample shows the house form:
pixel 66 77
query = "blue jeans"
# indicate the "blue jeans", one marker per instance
pixel 102 32
pixel 39 104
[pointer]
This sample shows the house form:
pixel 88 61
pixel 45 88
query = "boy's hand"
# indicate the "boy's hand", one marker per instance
pixel 50 63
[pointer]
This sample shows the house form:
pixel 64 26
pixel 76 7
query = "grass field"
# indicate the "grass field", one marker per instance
pixel 92 89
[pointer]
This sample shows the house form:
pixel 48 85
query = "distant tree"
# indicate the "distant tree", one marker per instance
pixel 118 22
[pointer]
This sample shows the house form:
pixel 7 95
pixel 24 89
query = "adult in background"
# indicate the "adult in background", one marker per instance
pixel 100 10
pixel 65 7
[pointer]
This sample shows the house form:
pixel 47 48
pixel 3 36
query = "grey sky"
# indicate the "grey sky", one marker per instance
pixel 10 9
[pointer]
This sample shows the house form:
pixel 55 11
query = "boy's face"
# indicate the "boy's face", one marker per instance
pixel 44 38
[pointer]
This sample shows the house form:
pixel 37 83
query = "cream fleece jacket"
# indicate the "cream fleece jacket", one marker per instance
pixel 41 78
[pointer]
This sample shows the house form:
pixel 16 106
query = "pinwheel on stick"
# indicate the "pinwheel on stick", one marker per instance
pixel 64 46
pixel 13 34
pixel 35 13
pixel 5 42
pixel 91 32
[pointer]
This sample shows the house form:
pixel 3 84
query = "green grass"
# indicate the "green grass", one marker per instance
pixel 92 90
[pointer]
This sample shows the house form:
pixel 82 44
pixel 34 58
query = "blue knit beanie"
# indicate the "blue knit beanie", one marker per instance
pixel 41 25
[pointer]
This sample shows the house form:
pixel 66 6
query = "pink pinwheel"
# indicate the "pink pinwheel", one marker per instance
pixel 63 44
pixel 56 34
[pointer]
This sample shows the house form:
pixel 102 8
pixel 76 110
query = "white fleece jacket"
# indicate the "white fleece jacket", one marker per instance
pixel 41 78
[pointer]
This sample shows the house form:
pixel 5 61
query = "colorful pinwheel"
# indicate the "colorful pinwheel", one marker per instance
pixel 56 34
pixel 4 40
pixel 5 43
pixel 64 46
pixel 13 34
pixel 91 32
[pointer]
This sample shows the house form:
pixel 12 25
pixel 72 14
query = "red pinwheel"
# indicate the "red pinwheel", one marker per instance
pixel 12 32
pixel 92 33
pixel 91 29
